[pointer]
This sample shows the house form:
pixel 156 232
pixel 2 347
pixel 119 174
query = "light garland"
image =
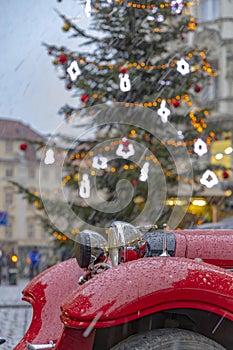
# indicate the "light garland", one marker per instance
pixel 130 167
pixel 162 6
pixel 136 65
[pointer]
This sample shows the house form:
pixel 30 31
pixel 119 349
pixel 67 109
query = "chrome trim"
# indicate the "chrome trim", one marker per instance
pixel 51 345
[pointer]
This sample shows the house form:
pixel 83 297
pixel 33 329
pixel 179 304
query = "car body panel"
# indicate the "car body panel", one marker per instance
pixel 212 246
pixel 69 314
pixel 142 287
pixel 46 292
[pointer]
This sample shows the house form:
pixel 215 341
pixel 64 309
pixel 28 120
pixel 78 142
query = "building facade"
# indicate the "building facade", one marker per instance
pixel 215 33
pixel 20 162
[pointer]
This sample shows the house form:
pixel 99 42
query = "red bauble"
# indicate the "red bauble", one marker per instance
pixel 84 98
pixel 225 175
pixel 62 59
pixel 134 182
pixel 197 88
pixel 123 70
pixel 175 103
pixel 68 86
pixel 23 146
pixel 182 37
pixel 50 52
pixel 125 142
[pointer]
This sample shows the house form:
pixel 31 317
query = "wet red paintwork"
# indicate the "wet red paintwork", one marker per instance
pixel 131 290
pixel 146 286
pixel 212 246
pixel 46 292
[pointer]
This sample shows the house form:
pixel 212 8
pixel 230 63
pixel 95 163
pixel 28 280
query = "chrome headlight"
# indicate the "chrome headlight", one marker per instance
pixel 88 248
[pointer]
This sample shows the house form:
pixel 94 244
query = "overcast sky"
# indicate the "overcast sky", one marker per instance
pixel 30 89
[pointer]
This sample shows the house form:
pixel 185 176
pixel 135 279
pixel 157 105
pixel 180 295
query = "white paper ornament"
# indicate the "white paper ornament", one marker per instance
pixel 125 84
pixel 49 157
pixel 99 162
pixel 144 172
pixel 150 18
pixel 180 134
pixel 88 8
pixel 163 111
pixel 209 179
pixel 177 6
pixel 125 149
pixel 85 187
pixel 160 18
pixel 73 70
pixel 165 82
pixel 200 147
pixel 183 67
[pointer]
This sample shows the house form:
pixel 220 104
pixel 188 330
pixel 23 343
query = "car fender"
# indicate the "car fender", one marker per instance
pixel 146 286
pixel 45 293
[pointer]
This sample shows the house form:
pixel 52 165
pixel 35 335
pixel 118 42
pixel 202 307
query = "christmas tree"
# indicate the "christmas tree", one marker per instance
pixel 138 83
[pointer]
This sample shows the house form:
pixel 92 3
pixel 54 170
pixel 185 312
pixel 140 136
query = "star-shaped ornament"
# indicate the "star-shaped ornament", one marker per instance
pixel 99 162
pixel 177 6
pixel 74 71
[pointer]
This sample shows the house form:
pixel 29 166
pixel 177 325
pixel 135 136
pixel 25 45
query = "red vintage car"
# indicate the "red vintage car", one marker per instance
pixel 145 288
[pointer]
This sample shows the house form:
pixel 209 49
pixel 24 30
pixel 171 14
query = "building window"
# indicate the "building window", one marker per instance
pixel 9 172
pixel 8 199
pixel 31 173
pixel 9 229
pixel 30 230
pixel 209 10
pixel 210 91
pixel 44 233
pixel 9 146
pixel 45 174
